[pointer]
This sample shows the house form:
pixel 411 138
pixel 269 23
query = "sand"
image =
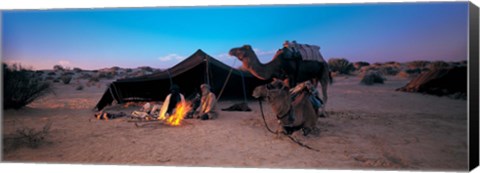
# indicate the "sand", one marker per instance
pixel 368 127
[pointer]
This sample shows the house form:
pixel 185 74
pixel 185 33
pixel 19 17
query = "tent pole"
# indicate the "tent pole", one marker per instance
pixel 208 72
pixel 244 90
pixel 170 77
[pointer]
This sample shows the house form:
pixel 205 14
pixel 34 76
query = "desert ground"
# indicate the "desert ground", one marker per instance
pixel 368 127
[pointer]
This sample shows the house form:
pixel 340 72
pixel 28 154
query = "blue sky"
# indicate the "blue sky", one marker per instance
pixel 162 37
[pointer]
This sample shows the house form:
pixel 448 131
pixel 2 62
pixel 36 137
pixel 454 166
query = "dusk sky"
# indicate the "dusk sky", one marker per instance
pixel 162 37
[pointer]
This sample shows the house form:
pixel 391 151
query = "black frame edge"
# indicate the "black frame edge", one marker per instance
pixel 474 86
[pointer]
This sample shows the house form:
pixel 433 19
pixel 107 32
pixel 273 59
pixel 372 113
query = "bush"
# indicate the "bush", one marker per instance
pixel 51 73
pixel 80 87
pixel 85 76
pixel 22 86
pixel 358 65
pixel 146 68
pixel 107 75
pixel 417 64
pixel 77 70
pixel 438 65
pixel 372 77
pixel 115 68
pixel 94 79
pixel 26 136
pixel 69 73
pixel 66 79
pixel 389 70
pixel 413 71
pixel 403 74
pixel 340 65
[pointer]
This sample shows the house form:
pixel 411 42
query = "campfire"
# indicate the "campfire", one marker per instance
pixel 176 118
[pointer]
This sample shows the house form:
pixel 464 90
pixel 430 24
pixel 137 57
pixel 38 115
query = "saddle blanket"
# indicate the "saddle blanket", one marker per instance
pixel 308 52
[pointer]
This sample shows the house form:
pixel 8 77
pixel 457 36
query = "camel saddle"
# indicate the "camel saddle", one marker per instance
pixel 313 93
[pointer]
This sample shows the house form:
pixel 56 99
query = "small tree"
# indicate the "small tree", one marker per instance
pixel 340 65
pixel 58 68
pixel 22 86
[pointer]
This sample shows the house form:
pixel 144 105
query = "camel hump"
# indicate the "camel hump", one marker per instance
pixel 309 52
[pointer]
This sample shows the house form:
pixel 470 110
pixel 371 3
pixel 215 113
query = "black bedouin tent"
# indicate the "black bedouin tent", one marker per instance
pixel 189 74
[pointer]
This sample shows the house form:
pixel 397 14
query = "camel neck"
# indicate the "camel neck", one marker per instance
pixel 281 105
pixel 262 71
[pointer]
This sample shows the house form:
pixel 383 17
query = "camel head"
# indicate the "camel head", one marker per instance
pixel 243 53
pixel 271 91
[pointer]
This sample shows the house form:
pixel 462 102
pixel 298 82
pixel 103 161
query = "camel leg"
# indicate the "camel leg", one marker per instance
pixel 324 84
pixel 325 80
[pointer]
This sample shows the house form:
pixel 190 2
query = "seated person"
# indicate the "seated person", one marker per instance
pixel 208 103
pixel 171 101
pixel 105 115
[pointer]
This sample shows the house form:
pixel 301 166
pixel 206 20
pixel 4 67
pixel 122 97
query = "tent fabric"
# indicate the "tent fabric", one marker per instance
pixel 439 82
pixel 188 75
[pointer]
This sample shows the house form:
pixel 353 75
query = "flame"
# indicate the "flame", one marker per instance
pixel 176 118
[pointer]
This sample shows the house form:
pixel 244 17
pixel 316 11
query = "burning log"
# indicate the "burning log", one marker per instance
pixel 175 119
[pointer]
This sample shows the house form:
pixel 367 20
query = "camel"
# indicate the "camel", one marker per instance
pixel 278 68
pixel 278 95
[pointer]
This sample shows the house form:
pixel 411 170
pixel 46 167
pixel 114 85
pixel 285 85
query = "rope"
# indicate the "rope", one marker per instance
pixel 290 137
pixel 226 80
pixel 263 117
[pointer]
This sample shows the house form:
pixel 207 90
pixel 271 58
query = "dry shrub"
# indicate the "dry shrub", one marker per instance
pixel 372 77
pixel 107 74
pixel 403 74
pixel 94 79
pixel 66 79
pixel 22 86
pixel 340 65
pixel 85 76
pixel 77 70
pixel 25 136
pixel 80 87
pixel 417 64
pixel 438 65
pixel 358 65
pixel 146 68
pixel 389 70
pixel 49 78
